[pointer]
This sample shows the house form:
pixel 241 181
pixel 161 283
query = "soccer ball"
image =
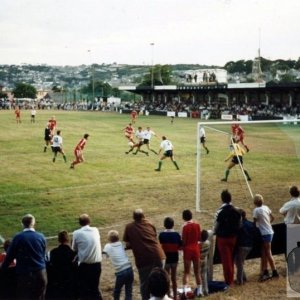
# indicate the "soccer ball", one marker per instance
pixel 130 144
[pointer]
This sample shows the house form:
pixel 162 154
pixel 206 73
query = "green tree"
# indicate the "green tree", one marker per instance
pixel 161 76
pixel 24 90
pixel 99 88
pixel 287 78
pixel 297 64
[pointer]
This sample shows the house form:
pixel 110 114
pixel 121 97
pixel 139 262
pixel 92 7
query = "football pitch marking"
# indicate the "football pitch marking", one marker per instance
pixel 75 187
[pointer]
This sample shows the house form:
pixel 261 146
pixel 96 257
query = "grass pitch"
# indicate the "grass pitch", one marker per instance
pixel 111 184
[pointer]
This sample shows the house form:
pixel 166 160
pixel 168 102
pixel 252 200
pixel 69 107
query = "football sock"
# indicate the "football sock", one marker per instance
pixel 247 175
pixel 153 151
pixel 226 174
pixel 159 165
pixel 65 158
pixel 175 163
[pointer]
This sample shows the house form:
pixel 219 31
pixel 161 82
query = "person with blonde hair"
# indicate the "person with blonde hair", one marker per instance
pixel 114 249
pixel 262 216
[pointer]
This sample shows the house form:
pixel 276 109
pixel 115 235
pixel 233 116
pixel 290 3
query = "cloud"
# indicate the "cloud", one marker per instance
pixel 190 31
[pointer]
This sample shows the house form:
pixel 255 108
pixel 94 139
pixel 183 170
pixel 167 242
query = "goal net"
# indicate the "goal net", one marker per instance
pixel 272 163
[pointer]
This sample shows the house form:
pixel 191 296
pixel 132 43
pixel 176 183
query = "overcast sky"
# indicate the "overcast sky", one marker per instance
pixel 212 32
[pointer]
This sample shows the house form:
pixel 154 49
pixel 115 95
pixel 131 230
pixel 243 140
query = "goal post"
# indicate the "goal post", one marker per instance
pixel 218 127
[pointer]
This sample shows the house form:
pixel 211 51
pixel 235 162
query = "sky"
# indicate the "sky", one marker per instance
pixel 145 32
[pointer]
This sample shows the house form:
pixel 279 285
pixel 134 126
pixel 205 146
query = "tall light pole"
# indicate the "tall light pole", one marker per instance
pixel 152 55
pixel 93 75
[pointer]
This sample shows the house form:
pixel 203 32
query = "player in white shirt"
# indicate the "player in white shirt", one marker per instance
pixel 167 148
pixel 202 138
pixel 57 142
pixel 33 113
pixel 140 137
pixel 148 133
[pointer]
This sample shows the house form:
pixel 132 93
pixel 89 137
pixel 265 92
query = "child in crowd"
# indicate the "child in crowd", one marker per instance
pixel 171 244
pixel 123 268
pixel 191 237
pixel 205 246
pixel 159 284
pixel 8 279
pixel 245 242
pixel 3 254
pixel 263 218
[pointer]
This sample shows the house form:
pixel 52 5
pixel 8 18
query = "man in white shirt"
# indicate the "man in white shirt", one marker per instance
pixel 86 242
pixel 167 148
pixel 202 138
pixel 291 209
pixel 33 113
pixel 57 146
pixel 148 133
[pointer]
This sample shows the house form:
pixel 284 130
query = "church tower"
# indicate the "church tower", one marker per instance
pixel 257 74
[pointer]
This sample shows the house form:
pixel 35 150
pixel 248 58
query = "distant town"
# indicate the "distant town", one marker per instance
pixel 65 83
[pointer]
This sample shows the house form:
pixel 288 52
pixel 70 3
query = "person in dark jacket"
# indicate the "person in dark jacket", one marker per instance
pixel 244 243
pixel 29 249
pixel 227 225
pixel 62 270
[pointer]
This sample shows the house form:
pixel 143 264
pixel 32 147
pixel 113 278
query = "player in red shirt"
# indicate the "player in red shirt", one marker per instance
pixel 129 131
pixel 78 151
pixel 133 116
pixel 238 134
pixel 18 115
pixel 53 124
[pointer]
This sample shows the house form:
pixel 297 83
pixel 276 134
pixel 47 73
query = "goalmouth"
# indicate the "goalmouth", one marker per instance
pixel 213 126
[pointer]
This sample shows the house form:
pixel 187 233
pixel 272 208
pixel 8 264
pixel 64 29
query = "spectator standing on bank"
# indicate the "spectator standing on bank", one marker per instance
pixel 159 284
pixel 191 237
pixel 291 209
pixel 29 249
pixel 263 218
pixel 62 270
pixel 171 244
pixel 205 246
pixel 8 276
pixel 86 242
pixel 245 242
pixel 140 236
pixel 227 225
pixel 123 269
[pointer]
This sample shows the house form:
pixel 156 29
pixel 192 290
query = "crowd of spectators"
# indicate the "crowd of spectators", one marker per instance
pixel 205 109
pixel 73 270
pixel 216 108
